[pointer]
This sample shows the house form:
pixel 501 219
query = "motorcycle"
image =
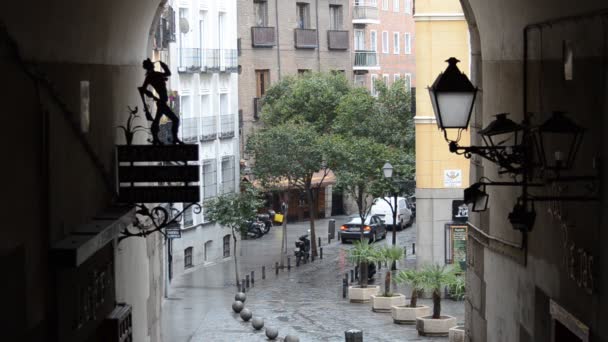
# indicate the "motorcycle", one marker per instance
pixel 266 219
pixel 302 250
pixel 255 229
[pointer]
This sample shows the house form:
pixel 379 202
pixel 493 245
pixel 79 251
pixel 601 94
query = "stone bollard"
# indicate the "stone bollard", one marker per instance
pixel 241 297
pixel 257 323
pixel 291 338
pixel 246 314
pixel 243 287
pixel 263 272
pixel 321 255
pixel 272 333
pixel 252 278
pixel 414 248
pixel 247 280
pixel 238 306
pixel 288 264
pixel 352 276
pixel 276 268
pixel 353 335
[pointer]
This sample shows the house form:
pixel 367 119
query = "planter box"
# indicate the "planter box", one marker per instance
pixel 406 315
pixel 357 294
pixel 457 334
pixel 384 304
pixel 428 326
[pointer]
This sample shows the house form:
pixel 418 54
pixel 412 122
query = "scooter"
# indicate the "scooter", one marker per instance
pixel 255 229
pixel 266 220
pixel 302 250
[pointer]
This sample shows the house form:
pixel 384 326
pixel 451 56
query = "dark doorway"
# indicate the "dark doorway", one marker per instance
pixel 337 203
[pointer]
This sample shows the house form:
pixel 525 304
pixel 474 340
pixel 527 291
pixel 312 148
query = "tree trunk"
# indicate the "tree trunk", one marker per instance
pixel 363 274
pixel 414 299
pixel 236 268
pixel 312 216
pixel 387 284
pixel 436 304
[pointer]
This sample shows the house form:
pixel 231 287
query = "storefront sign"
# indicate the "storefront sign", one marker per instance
pixel 455 243
pixel 460 211
pixel 452 178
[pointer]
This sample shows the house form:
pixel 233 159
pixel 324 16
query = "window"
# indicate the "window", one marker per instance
pixel 228 174
pixel 359 80
pixel 335 17
pixel 207 250
pixel 303 15
pixel 262 78
pixel 407 47
pixel 359 40
pixel 396 5
pixel 260 8
pixel 201 29
pixel 373 85
pixel 385 79
pixel 373 40
pixel 408 6
pixel 188 219
pixel 396 77
pixel 384 42
pixel 188 257
pixel 185 107
pixel 226 246
pixel 209 178
pixel 385 5
pixel 408 82
pixel 396 41
pixel 220 30
pixel 184 22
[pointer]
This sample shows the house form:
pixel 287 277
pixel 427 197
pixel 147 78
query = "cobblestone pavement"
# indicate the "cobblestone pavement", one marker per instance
pixel 306 301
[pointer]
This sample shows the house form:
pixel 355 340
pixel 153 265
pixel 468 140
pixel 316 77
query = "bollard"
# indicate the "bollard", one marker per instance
pixel 312 257
pixel 263 272
pixel 414 248
pixel 252 278
pixel 238 286
pixel 289 264
pixel 321 255
pixel 331 229
pixel 353 335
pixel 344 287
pixel 328 238
pixel 247 280
pixel 352 276
pixel 404 252
pixel 276 268
pixel 379 265
pixel 346 277
pixel 243 286
pixel 319 245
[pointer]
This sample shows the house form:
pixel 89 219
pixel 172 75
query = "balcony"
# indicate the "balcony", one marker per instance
pixel 305 38
pixel 212 60
pixel 189 129
pixel 229 60
pixel 366 60
pixel 189 60
pixel 337 40
pixel 209 131
pixel 227 123
pixel 263 37
pixel 365 12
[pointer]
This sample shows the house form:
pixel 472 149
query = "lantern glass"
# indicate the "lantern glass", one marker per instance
pixel 559 139
pixel 476 194
pixel 387 169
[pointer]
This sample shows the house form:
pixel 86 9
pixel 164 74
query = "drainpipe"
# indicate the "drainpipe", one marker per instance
pixel 276 15
pixel 318 41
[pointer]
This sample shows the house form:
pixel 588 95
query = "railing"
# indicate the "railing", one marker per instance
pixel 189 60
pixel 365 10
pixel 257 107
pixel 263 36
pixel 366 59
pixel 337 40
pixel 229 60
pixel 305 38
pixel 212 60
pixel 227 126
pixel 209 131
pixel 189 129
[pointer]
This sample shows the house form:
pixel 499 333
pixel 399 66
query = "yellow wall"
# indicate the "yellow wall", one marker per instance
pixel 439 35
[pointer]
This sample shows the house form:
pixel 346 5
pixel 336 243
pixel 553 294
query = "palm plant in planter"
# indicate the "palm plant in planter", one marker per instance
pixel 384 302
pixel 434 279
pixel 407 314
pixel 362 254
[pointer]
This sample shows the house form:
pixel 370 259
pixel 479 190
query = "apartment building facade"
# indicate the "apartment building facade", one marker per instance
pixel 280 38
pixel 202 55
pixel 383 33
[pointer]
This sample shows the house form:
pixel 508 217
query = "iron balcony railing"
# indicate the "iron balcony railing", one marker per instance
pixel 229 60
pixel 366 59
pixel 212 60
pixel 263 36
pixel 305 38
pixel 209 131
pixel 365 10
pixel 227 126
pixel 337 40
pixel 189 60
pixel 190 129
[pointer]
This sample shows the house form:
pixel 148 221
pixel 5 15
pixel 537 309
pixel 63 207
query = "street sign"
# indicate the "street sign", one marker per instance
pixel 173 232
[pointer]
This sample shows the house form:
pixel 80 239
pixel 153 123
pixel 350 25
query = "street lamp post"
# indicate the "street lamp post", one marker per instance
pixel 387 169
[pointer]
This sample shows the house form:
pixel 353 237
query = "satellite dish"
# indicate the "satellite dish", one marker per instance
pixel 184 26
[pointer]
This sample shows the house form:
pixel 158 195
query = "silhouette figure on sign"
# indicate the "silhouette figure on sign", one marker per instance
pixel 158 81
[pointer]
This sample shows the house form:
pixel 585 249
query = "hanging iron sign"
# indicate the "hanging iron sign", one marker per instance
pixel 173 231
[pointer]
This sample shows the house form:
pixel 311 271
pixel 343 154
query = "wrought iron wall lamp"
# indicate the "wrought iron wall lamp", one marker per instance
pixel 535 156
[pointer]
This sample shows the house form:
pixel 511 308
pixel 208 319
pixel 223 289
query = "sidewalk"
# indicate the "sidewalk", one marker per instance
pixel 305 302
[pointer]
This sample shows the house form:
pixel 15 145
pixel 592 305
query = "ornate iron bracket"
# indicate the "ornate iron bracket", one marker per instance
pixel 156 219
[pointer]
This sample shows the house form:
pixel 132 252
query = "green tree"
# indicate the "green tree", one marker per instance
pixel 293 153
pixel 310 98
pixel 232 211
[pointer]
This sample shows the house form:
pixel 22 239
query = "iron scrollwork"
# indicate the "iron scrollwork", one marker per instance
pixel 156 219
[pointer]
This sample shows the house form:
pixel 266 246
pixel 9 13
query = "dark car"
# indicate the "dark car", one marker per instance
pixel 374 229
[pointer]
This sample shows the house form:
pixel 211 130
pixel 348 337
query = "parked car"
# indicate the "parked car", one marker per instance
pixel 382 208
pixel 374 229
